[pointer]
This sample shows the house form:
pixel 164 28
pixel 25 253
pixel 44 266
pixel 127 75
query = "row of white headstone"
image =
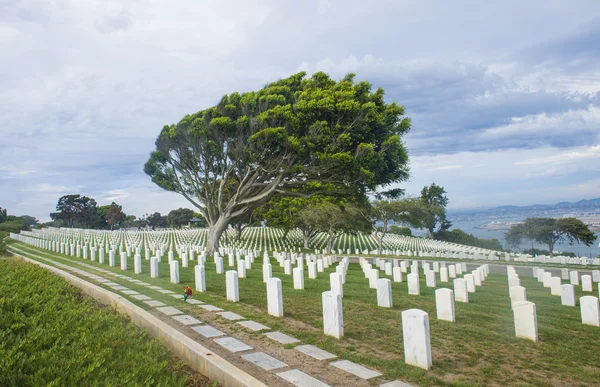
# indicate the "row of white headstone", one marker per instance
pixel 525 316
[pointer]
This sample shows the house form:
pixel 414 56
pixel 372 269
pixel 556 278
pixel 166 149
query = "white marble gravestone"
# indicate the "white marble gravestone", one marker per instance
pixel 373 277
pixel 199 274
pixel 461 293
pixel 590 310
pixel 174 270
pixel 274 297
pixel 397 271
pixel 517 293
pixel 525 320
pixel 417 345
pixel 333 318
pixel 298 273
pixel 137 264
pixel 470 283
pixel 443 274
pixel 586 283
pixel 444 304
pixel 567 295
pixel 413 284
pixel 384 293
pixel 154 267
pixel 231 283
pixel 430 279
pixel 336 285
pixel 574 277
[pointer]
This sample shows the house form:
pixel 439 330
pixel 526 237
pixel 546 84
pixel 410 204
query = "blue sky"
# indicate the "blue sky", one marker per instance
pixel 504 95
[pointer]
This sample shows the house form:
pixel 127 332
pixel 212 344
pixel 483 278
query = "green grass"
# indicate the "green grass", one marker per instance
pixel 52 335
pixel 478 349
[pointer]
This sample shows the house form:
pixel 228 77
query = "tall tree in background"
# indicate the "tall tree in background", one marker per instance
pixel 294 137
pixel 76 208
pixel 335 220
pixel 115 215
pixel 435 222
pixel 156 220
pixel 179 217
pixel 550 231
pixel 404 211
pixel 3 215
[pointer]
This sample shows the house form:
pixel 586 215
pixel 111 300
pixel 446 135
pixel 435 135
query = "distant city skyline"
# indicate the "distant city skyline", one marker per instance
pixel 504 97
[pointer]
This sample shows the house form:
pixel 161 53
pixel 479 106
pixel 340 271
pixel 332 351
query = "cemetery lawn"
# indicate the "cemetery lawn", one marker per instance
pixel 50 334
pixel 479 349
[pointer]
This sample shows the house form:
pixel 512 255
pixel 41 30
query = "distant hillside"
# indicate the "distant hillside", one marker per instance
pixel 582 205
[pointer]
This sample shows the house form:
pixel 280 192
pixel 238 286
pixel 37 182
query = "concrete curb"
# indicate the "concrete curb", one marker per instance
pixel 194 354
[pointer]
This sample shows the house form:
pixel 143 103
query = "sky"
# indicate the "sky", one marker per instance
pixel 504 96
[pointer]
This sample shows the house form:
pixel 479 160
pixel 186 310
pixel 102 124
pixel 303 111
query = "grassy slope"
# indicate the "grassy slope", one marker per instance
pixel 479 349
pixel 51 335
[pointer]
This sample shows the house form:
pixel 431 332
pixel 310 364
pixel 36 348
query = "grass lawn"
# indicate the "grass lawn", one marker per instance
pixel 52 335
pixel 478 349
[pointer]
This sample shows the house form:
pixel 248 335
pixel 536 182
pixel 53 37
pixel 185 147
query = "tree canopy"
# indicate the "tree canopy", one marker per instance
pixel 550 231
pixel 409 211
pixel 298 136
pixel 179 217
pixel 76 208
pixel 434 220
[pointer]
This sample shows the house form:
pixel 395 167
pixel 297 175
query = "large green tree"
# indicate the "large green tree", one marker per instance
pixel 409 211
pixel 115 215
pixel 435 199
pixel 179 217
pixel 550 231
pixel 298 136
pixel 76 208
pixel 335 220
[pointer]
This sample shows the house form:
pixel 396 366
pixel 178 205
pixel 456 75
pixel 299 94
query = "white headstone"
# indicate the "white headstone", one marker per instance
pixel 555 283
pixel 333 318
pixel 373 277
pixel 470 283
pixel 274 297
pixel 312 269
pixel 298 278
pixel 174 268
pixel 241 268
pixel 137 264
pixel 517 293
pixel 154 267
pixel 219 265
pixel 574 276
pixel 415 331
pixel 231 283
pixel 267 272
pixel 443 274
pixel 460 290
pixel 430 279
pixel 590 310
pixel 525 320
pixel 199 274
pixel 397 274
pixel 335 281
pixel 413 284
pixel 444 304
pixel 384 293
pixel 567 295
pixel 586 283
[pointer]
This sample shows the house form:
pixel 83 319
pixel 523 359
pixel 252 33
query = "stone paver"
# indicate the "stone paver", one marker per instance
pixel 233 345
pixel 210 308
pixel 130 292
pixel 356 369
pixel 194 302
pixel 300 379
pixel 141 297
pixel 208 331
pixel 169 310
pixel 282 338
pixel 180 296
pixel 315 352
pixel 396 383
pixel 230 316
pixel 165 291
pixel 253 326
pixel 187 320
pixel 154 287
pixel 154 303
pixel 264 361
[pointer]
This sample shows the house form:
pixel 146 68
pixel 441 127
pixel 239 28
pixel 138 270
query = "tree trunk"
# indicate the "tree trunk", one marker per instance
pixel 329 244
pixel 380 243
pixel 551 248
pixel 214 233
pixel 306 236
pixel 285 235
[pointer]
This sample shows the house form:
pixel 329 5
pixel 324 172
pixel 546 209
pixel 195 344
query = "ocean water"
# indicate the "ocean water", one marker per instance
pixel 579 249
